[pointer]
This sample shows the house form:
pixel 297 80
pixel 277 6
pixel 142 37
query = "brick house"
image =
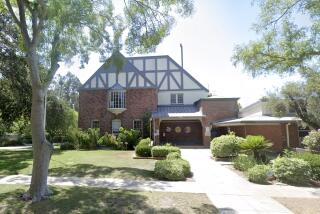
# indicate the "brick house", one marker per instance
pixel 182 111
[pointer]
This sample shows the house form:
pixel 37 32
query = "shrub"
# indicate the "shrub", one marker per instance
pixel 225 146
pixel 259 174
pixel 173 155
pixel 130 138
pixel 146 141
pixel 143 149
pixel 11 140
pixel 67 146
pixel 110 140
pixel 185 166
pixel 313 160
pixel 163 151
pixel 80 139
pixel 169 170
pixel 94 135
pixel 244 162
pixel 291 170
pixel 257 145
pixel 312 141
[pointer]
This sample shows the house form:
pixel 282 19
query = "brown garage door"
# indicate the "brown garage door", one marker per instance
pixel 181 132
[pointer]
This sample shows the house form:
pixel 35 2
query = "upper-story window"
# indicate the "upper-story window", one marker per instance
pixel 176 98
pixel 117 99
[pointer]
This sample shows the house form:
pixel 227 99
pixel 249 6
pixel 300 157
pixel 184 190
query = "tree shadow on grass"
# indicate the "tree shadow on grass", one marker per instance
pixel 13 161
pixel 90 170
pixel 93 200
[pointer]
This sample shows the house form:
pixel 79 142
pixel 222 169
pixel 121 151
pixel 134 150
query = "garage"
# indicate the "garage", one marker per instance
pixel 183 132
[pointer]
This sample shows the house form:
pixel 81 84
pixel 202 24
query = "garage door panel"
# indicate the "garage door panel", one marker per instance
pixel 181 132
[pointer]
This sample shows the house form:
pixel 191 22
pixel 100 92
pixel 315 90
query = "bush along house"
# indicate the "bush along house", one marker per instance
pixel 158 97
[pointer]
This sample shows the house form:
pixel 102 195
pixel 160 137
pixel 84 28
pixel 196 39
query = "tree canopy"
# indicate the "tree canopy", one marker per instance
pixel 301 97
pixel 15 86
pixel 66 88
pixel 289 39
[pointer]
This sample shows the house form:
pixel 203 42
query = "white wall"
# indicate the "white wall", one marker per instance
pixel 189 97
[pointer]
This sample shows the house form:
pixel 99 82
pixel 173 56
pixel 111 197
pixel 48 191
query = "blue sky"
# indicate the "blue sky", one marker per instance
pixel 208 38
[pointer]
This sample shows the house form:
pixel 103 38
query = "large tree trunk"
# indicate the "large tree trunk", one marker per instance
pixel 42 149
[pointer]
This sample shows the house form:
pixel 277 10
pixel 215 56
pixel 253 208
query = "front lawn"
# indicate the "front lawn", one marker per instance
pixel 97 163
pixel 101 200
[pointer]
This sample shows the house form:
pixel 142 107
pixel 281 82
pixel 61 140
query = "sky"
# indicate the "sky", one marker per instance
pixel 209 37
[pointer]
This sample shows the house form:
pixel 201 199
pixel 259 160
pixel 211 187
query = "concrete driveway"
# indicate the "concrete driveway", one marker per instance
pixel 231 193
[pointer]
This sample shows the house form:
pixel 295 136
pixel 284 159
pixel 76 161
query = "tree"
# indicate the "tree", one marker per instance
pixel 59 117
pixel 56 31
pixel 66 87
pixel 301 97
pixel 15 86
pixel 287 45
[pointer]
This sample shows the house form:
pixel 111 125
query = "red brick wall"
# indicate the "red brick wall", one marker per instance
pixel 275 133
pixel 93 106
pixel 216 110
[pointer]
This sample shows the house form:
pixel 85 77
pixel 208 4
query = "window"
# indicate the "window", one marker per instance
pixel 176 98
pixel 117 99
pixel 137 125
pixel 95 124
pixel 116 124
pixel 180 98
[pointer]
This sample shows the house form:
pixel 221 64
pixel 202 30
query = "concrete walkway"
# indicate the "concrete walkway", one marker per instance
pixel 111 183
pixel 231 193
pixel 26 147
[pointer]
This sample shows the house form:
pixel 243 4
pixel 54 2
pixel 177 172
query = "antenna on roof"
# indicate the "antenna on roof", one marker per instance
pixel 181 47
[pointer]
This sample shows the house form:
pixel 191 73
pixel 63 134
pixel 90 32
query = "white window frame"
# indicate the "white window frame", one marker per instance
pixel 117 99
pixel 93 121
pixel 138 129
pixel 115 130
pixel 176 98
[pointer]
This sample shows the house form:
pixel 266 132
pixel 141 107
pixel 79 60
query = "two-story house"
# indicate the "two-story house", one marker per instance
pixel 182 111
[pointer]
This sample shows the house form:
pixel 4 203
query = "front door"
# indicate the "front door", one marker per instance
pixel 181 132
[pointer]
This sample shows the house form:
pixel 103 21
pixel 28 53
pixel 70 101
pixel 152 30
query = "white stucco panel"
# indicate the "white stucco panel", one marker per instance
pixel 104 77
pixel 93 82
pixel 162 64
pixel 173 84
pixel 189 97
pixel 138 63
pixel 160 77
pixel 111 79
pixel 188 83
pixel 100 83
pixel 151 77
pixel 177 75
pixel 164 85
pixel 172 66
pixel 150 64
pixel 141 81
pixel 122 79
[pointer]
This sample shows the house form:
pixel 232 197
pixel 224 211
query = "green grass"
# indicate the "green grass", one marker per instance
pixel 100 200
pixel 98 163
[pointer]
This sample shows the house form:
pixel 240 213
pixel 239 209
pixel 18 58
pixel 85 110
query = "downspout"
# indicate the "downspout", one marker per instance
pixel 287 133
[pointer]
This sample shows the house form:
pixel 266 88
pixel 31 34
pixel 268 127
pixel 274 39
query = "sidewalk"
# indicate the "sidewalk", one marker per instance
pixel 26 147
pixel 111 183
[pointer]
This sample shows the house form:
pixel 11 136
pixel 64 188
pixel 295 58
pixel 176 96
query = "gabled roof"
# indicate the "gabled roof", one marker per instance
pixel 160 72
